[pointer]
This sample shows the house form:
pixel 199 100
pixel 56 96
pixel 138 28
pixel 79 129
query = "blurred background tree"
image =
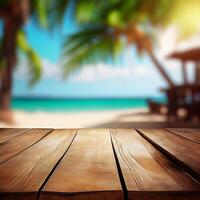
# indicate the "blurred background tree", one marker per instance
pixel 14 14
pixel 107 27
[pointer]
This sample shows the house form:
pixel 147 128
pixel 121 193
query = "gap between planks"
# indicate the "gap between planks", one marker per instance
pixel 136 155
pixel 90 168
pixel 122 181
pixel 185 166
pixel 188 133
pixel 23 176
pixel 16 145
pixel 9 133
pixel 53 169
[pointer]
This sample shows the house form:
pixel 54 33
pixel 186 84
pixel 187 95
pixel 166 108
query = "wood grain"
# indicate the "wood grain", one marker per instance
pixel 189 133
pixel 22 176
pixel 87 171
pixel 12 147
pixel 147 173
pixel 185 152
pixel 8 133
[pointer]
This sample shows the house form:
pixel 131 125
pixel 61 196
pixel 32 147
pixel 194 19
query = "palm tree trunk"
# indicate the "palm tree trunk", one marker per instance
pixel 5 92
pixel 16 14
pixel 160 68
pixel 8 55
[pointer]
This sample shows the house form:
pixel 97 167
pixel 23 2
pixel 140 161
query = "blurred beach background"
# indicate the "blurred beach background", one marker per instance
pixel 99 92
pixel 79 112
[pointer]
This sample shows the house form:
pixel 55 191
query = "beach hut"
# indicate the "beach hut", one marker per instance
pixel 191 55
pixel 185 98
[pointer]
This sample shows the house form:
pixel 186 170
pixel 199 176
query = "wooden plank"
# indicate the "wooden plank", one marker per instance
pixel 8 133
pixel 14 146
pixel 147 173
pixel 189 133
pixel 183 151
pixel 87 171
pixel 22 176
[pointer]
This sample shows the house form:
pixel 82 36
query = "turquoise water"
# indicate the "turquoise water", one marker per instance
pixel 73 105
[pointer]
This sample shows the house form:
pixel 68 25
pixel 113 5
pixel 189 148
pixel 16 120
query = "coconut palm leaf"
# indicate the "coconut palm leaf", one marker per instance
pixel 39 10
pixel 89 46
pixel 32 57
pixel 98 41
pixel 56 12
pixel 134 21
pixel 84 12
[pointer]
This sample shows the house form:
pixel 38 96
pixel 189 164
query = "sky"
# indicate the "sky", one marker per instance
pixel 133 76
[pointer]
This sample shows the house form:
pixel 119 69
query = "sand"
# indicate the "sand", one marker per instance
pixel 79 119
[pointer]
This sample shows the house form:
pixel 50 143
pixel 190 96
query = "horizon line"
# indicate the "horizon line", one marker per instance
pixel 80 98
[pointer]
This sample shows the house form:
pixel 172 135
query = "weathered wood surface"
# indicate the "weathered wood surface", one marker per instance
pixel 147 173
pixel 87 171
pixel 12 147
pixel 147 164
pixel 8 133
pixel 191 134
pixel 185 152
pixel 22 176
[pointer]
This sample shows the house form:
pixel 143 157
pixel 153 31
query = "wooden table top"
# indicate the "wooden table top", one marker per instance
pixel 58 164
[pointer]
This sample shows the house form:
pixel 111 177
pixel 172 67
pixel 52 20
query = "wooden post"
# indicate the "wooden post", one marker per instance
pixel 184 72
pixel 198 81
pixel 197 72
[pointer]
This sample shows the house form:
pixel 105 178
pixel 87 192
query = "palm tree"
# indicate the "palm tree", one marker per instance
pixel 14 14
pixel 105 24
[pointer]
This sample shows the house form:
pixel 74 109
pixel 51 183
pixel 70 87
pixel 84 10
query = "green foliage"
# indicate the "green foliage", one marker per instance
pixel 32 57
pixel 133 20
pixel 85 11
pixel 40 11
pixel 115 19
pixel 89 46
pixel 56 12
pixel 103 25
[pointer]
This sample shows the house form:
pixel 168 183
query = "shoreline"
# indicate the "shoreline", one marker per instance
pixel 82 119
pixel 126 118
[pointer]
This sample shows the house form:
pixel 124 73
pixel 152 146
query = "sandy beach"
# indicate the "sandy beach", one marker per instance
pixel 80 119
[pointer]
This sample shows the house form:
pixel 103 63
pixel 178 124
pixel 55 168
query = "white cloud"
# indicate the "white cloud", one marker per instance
pixel 167 42
pixel 89 73
pixel 52 70
pixel 49 70
pixel 103 71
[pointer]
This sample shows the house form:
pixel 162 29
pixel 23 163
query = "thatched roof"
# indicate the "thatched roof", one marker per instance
pixel 188 55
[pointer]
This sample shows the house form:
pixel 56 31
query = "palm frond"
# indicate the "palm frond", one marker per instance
pixel 56 12
pixel 40 11
pixel 32 57
pixel 90 46
pixel 85 11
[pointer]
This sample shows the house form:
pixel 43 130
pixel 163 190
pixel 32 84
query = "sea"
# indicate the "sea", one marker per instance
pixel 79 104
